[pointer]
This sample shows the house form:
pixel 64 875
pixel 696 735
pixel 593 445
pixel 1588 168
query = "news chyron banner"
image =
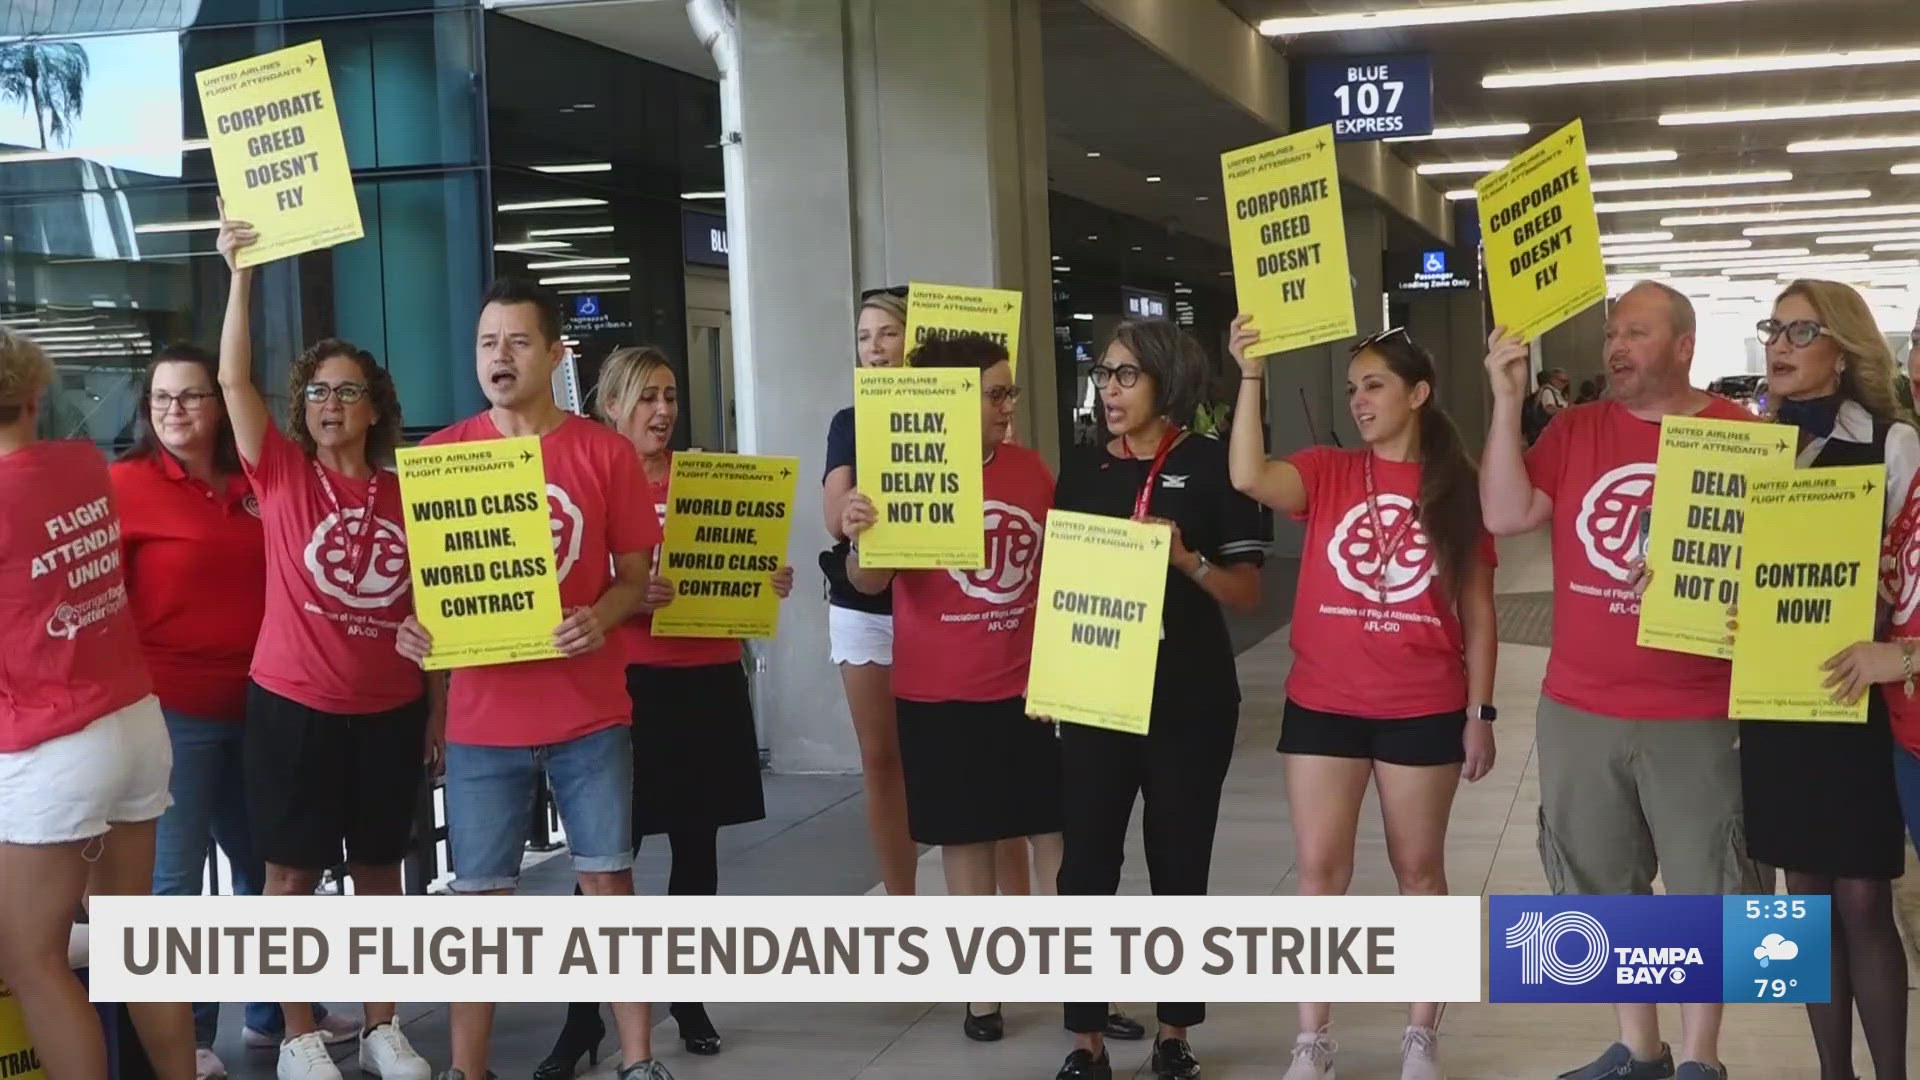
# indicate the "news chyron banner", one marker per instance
pixel 919 457
pixel 274 129
pixel 728 516
pixel 1808 585
pixel 480 542
pixel 1659 948
pixel 789 948
pixel 18 1059
pixel 1096 638
pixel 1289 240
pixel 1541 235
pixel 944 311
pixel 1695 525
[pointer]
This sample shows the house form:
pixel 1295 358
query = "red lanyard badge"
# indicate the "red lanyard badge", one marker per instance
pixel 359 541
pixel 1389 544
pixel 1145 498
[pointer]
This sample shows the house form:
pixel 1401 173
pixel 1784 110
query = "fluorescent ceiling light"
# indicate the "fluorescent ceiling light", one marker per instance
pixel 1635 238
pixel 1454 14
pixel 1153 179
pixel 1792 264
pixel 1731 200
pixel 1868 238
pixel 703 194
pixel 548 204
pixel 1083 316
pixel 1914 246
pixel 1668 249
pixel 1792 112
pixel 1883 210
pixel 1630 157
pixel 1726 259
pixel 575 230
pixel 558 263
pixel 532 245
pixel 1830 227
pixel 1662 183
pixel 177 226
pixel 1908 168
pixel 1678 69
pixel 577 167
pixel 584 279
pixel 1467 131
pixel 1882 142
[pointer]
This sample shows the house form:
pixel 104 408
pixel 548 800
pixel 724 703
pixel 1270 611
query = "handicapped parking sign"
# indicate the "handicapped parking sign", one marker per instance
pixel 1433 262
pixel 586 307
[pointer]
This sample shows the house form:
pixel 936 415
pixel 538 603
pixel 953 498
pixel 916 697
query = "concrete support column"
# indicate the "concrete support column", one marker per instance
pixel 882 141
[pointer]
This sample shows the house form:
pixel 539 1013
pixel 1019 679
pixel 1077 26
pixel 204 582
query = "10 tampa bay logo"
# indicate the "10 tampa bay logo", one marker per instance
pixel 1605 948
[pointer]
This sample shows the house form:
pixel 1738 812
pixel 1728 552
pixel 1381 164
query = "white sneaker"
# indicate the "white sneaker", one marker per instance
pixel 1420 1054
pixel 208 1066
pixel 333 1028
pixel 1312 1057
pixel 385 1052
pixel 306 1058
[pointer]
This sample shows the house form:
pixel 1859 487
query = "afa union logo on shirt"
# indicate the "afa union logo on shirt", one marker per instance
pixel 1610 515
pixel 329 558
pixel 1013 546
pixel 1356 552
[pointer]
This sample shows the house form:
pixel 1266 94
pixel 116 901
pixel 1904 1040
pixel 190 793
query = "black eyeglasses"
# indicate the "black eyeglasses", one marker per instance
pixel 161 401
pixel 346 393
pixel 1126 375
pixel 1000 395
pixel 1398 331
pixel 893 290
pixel 1800 332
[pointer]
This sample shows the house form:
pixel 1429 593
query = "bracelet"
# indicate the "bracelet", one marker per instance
pixel 1244 377
pixel 1906 666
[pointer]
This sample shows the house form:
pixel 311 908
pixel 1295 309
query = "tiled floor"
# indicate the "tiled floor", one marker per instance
pixel 815 843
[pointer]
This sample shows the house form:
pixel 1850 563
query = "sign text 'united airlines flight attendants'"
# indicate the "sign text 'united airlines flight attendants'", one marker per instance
pixel 1810 571
pixel 918 458
pixel 935 312
pixel 1541 235
pixel 796 949
pixel 728 516
pixel 1096 638
pixel 274 129
pixel 480 544
pixel 1289 240
pixel 1693 542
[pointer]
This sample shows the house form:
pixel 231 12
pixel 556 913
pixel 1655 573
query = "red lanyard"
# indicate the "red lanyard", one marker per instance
pixel 359 542
pixel 1389 544
pixel 1145 497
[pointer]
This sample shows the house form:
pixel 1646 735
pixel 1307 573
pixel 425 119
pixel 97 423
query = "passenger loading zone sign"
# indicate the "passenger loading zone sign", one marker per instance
pixel 1541 236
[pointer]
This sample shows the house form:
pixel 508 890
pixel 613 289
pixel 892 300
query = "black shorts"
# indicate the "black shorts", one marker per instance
pixel 1422 740
pixel 323 788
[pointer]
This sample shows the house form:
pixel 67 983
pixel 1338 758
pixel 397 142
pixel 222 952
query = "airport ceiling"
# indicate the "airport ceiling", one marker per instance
pixel 1625 116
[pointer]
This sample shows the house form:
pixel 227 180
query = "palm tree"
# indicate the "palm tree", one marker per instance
pixel 48 77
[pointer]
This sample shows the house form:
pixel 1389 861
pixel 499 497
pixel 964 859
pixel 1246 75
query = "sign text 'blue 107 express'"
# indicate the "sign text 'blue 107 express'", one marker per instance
pixel 1369 97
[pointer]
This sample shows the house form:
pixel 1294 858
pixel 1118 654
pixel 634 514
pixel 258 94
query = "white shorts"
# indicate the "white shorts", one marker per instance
pixel 859 637
pixel 112 772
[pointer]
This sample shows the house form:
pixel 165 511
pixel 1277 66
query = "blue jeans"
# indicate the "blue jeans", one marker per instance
pixel 489 796
pixel 209 807
pixel 1906 775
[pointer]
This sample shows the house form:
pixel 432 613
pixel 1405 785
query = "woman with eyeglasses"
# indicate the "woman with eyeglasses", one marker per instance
pixel 339 729
pixel 1821 800
pixel 190 526
pixel 1393 640
pixel 1152 378
pixel 977 771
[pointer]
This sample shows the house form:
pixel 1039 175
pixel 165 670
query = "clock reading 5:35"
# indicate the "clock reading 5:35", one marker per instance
pixel 1776 909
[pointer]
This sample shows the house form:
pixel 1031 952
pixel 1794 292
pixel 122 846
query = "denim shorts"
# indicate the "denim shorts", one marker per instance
pixel 489 797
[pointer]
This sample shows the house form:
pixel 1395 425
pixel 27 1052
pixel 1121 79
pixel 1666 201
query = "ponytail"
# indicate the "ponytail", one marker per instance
pixel 1449 483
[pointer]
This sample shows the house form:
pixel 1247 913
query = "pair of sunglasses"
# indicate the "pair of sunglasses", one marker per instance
pixel 894 290
pixel 1384 335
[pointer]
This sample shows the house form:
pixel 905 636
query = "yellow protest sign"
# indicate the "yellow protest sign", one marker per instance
pixel 1289 240
pixel 728 516
pixel 1096 637
pixel 480 541
pixel 1694 528
pixel 944 311
pixel 274 128
pixel 18 1059
pixel 1541 236
pixel 918 456
pixel 1811 564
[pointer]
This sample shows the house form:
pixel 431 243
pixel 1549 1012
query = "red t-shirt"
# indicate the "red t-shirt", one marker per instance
pixel 197 572
pixel 1353 652
pixel 636 635
pixel 967 635
pixel 1596 462
pixel 337 587
pixel 601 508
pixel 69 652
pixel 1900 580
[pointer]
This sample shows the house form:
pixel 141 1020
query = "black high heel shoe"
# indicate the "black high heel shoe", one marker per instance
pixel 581 1037
pixel 695 1029
pixel 990 1027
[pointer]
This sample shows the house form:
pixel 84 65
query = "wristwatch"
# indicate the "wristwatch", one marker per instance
pixel 1483 712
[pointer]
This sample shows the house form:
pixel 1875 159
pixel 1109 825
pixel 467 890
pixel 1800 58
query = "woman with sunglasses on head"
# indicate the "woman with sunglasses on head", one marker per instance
pixel 1151 379
pixel 339 728
pixel 190 527
pixel 1393 639
pixel 1821 800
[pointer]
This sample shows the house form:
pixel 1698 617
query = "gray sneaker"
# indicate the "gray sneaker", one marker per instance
pixel 1618 1064
pixel 1700 1070
pixel 646 1070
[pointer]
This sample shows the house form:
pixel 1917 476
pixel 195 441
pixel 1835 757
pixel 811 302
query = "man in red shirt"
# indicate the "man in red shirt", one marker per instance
pixel 1639 765
pixel 568 718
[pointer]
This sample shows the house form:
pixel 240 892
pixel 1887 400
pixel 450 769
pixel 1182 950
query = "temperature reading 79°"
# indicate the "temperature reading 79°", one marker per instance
pixel 1772 988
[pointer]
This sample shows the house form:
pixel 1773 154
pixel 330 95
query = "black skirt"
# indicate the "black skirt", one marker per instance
pixel 696 757
pixel 1820 797
pixel 978 771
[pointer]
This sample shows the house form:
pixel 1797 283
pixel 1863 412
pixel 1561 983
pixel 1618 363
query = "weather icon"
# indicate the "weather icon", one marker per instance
pixel 1775 947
